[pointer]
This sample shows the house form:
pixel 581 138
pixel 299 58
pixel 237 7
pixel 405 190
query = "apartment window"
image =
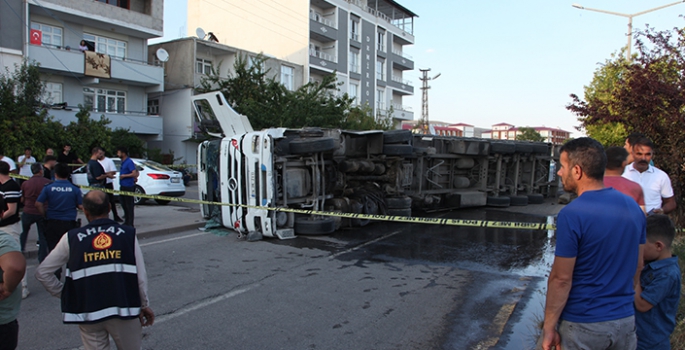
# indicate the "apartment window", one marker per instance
pixel 354 29
pixel 203 66
pixel 380 100
pixel 381 41
pixel 118 3
pixel 287 77
pixel 52 93
pixel 354 92
pixel 380 69
pixel 153 107
pixel 104 100
pixel 354 62
pixel 109 46
pixel 52 36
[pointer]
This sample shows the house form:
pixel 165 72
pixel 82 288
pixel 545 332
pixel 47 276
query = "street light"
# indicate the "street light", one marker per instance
pixel 630 18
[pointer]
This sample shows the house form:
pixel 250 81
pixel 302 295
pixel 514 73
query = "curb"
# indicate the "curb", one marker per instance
pixel 33 253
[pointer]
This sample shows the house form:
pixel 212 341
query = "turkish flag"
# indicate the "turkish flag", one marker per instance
pixel 36 37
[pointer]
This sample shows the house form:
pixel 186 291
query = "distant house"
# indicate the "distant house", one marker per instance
pixel 504 131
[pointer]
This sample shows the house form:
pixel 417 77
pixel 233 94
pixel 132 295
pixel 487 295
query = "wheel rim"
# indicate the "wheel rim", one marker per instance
pixel 136 199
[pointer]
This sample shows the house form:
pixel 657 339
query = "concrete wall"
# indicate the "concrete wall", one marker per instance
pixel 178 124
pixel 12 14
pixel 278 28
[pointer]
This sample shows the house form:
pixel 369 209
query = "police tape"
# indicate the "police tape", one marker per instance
pixel 374 217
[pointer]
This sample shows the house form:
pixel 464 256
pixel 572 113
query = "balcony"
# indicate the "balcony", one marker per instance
pixel 58 60
pixel 321 28
pixel 137 122
pixel 323 59
pixel 401 60
pixel 399 17
pixel 404 87
pixel 402 112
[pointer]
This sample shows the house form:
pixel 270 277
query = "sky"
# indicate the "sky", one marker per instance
pixel 506 61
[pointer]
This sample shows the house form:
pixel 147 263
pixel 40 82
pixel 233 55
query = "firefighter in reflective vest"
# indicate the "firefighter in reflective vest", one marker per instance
pixel 105 287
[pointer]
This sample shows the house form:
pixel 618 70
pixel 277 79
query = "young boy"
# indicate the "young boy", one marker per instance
pixel 657 296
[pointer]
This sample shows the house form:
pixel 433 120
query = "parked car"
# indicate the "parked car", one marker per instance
pixel 154 179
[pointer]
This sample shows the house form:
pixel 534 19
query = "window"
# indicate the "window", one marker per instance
pixel 153 107
pixel 354 29
pixel 52 94
pixel 112 47
pixel 354 62
pixel 287 76
pixel 380 100
pixel 52 36
pixel 203 66
pixel 118 3
pixel 381 41
pixel 354 92
pixel 103 100
pixel 380 70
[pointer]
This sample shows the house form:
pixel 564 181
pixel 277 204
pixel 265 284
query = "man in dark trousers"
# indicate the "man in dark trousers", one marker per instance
pixel 62 199
pixel 127 183
pixel 105 289
pixel 97 177
pixel 30 190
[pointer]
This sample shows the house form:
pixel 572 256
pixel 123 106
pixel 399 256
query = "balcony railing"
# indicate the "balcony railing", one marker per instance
pixel 354 68
pixel 380 47
pixel 315 16
pixel 155 62
pixel 354 36
pixel 399 80
pixel 399 23
pixel 400 53
pixel 324 56
pixel 399 107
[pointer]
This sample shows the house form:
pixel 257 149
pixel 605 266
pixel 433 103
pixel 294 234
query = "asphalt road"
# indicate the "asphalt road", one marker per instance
pixel 384 286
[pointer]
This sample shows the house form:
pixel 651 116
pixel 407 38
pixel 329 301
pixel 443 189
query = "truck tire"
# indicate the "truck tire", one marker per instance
pixel 317 226
pixel 500 202
pixel 304 146
pixel 536 198
pixel 398 202
pixel 397 150
pixel 541 149
pixel 397 136
pixel 502 148
pixel 400 212
pixel 518 200
pixel 524 148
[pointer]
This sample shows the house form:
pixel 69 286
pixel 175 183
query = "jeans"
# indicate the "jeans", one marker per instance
pixel 608 335
pixel 127 205
pixel 26 221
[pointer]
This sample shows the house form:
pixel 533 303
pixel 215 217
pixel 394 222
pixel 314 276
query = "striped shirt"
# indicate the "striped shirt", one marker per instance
pixel 11 191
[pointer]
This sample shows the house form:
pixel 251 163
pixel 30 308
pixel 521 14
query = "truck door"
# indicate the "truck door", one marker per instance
pixel 216 117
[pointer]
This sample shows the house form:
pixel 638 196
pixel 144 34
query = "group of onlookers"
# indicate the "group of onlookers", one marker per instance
pixel 614 282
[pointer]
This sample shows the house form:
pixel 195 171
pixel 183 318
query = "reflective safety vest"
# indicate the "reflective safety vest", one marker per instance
pixel 101 279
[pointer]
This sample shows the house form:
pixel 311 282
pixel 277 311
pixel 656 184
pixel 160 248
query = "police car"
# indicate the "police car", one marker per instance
pixel 154 179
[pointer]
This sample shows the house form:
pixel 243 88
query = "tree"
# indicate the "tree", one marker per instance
pixel 124 137
pixel 529 134
pixel 648 97
pixel 267 103
pixel 86 133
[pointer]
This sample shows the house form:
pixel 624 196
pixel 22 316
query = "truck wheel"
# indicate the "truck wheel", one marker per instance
pixel 519 200
pixel 314 226
pixel 400 212
pixel 397 150
pixel 397 136
pixel 398 202
pixel 541 148
pixel 501 202
pixel 303 146
pixel 502 148
pixel 536 198
pixel 524 148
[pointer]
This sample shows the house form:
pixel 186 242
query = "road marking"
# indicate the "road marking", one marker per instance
pixel 498 324
pixel 363 245
pixel 172 239
pixel 183 311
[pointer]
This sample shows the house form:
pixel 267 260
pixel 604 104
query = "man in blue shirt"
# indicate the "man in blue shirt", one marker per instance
pixel 600 240
pixel 128 175
pixel 62 199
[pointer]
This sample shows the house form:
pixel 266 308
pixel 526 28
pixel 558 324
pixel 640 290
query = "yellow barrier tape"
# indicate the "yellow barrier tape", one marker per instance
pixel 375 217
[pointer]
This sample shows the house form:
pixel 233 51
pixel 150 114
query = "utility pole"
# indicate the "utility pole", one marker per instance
pixel 425 121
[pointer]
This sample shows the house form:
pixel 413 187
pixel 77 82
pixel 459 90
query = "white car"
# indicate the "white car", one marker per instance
pixel 154 179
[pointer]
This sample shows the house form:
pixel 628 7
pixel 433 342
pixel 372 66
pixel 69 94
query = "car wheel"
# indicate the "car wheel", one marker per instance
pixel 162 201
pixel 314 226
pixel 139 200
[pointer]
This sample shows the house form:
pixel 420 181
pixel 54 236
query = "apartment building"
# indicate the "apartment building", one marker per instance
pixel 111 75
pixel 190 60
pixel 505 131
pixel 362 41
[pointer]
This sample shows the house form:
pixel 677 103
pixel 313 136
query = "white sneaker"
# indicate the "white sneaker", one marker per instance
pixel 25 293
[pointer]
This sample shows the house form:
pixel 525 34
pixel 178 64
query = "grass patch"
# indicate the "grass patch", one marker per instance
pixel 678 336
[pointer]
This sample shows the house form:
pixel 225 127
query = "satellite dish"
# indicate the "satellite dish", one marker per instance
pixel 162 55
pixel 200 33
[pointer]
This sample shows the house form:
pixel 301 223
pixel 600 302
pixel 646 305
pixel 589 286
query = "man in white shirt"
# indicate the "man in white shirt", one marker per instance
pixel 24 161
pixel 109 166
pixel 656 184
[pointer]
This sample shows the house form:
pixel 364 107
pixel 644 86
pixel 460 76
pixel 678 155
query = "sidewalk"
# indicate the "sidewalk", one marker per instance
pixel 150 220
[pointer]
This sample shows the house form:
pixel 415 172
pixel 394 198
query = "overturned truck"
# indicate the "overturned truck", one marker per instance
pixel 393 173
